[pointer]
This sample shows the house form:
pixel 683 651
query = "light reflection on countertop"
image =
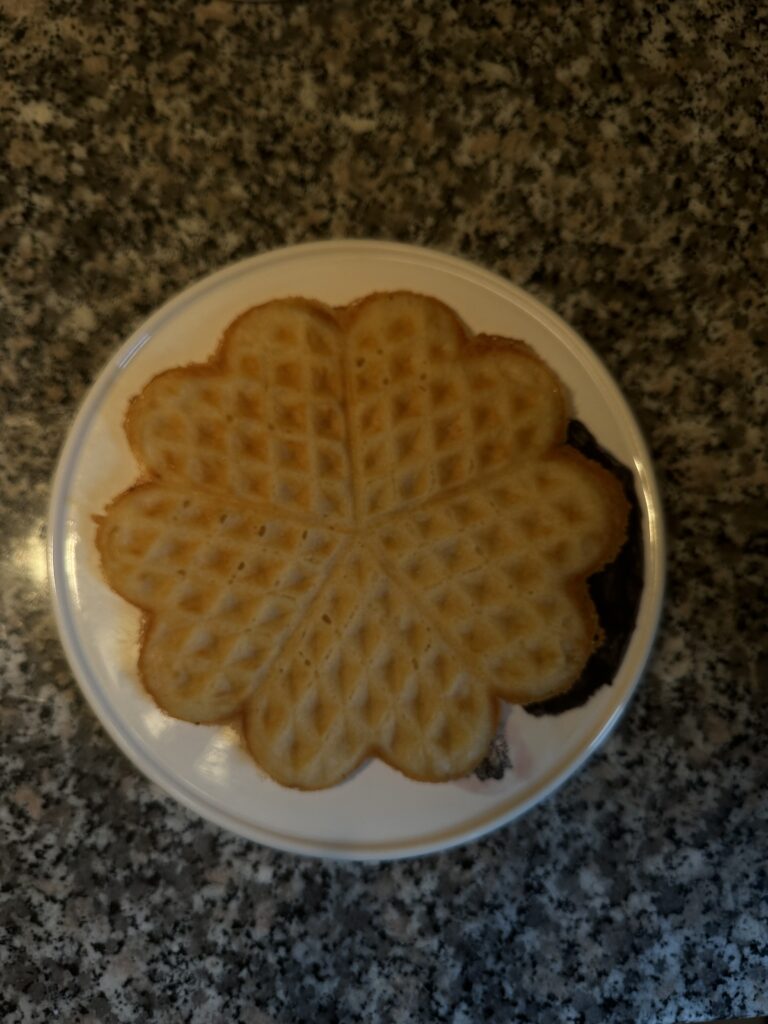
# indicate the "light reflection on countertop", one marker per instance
pixel 28 557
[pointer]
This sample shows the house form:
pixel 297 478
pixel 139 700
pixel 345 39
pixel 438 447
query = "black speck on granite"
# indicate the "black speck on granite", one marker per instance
pixel 610 159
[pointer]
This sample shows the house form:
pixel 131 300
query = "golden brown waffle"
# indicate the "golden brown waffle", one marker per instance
pixel 361 527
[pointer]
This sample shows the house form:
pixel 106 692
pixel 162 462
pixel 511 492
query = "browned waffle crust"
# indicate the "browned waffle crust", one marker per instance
pixel 360 527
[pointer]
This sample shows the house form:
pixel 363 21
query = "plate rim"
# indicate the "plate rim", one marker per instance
pixel 482 824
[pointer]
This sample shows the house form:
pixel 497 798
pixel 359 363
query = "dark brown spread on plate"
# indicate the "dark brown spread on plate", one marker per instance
pixel 616 590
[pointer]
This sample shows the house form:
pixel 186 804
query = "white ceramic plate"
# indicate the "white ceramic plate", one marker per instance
pixel 377 814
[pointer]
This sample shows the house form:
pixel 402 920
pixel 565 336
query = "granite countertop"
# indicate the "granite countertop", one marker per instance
pixel 612 164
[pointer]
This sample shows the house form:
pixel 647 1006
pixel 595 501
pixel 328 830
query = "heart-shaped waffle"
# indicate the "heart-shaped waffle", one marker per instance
pixel 361 527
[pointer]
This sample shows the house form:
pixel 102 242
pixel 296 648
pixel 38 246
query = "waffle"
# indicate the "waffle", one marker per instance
pixel 359 528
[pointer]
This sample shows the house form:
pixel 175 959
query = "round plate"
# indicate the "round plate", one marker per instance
pixel 377 813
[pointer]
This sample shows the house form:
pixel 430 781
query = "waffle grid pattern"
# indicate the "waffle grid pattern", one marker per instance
pixel 358 529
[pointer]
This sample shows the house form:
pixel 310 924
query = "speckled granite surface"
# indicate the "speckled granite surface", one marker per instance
pixel 611 164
